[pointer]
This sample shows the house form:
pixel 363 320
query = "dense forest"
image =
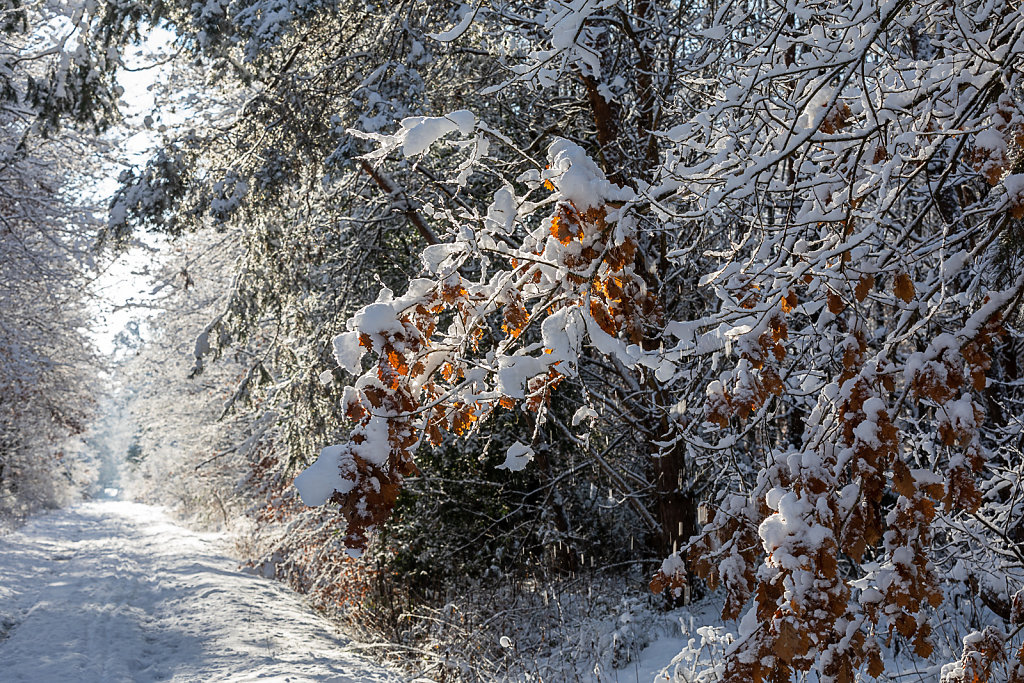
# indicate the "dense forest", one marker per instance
pixel 519 335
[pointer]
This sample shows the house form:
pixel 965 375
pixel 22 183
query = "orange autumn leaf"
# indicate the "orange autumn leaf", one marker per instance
pixel 447 371
pixel 789 302
pixel 397 361
pixel 560 230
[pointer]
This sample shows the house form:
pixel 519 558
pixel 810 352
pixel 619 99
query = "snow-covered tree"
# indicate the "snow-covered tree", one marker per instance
pixel 47 364
pixel 57 89
pixel 775 244
pixel 855 169
pixel 318 225
pixel 191 444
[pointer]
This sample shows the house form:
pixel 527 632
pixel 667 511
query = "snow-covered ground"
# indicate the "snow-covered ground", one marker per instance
pixel 115 591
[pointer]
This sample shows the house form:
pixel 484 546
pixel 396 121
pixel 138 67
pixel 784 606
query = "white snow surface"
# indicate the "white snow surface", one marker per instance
pixel 318 482
pixel 115 591
pixel 418 133
pixel 516 457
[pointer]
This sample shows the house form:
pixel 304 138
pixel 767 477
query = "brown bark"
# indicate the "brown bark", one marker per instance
pixel 389 188
pixel 606 123
pixel 676 507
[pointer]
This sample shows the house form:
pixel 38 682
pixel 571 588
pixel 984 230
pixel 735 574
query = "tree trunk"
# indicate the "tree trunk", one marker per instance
pixel 676 507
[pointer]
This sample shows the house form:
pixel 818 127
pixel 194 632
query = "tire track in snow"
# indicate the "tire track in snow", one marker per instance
pixel 115 591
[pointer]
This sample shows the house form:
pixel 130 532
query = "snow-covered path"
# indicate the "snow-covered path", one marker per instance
pixel 115 591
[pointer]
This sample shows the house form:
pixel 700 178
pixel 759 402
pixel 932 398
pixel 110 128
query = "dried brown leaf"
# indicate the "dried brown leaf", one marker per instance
pixel 903 287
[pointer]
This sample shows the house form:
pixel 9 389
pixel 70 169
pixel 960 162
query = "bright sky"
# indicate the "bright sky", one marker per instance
pixel 126 283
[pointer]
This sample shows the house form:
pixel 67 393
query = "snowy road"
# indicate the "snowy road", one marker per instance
pixel 115 591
